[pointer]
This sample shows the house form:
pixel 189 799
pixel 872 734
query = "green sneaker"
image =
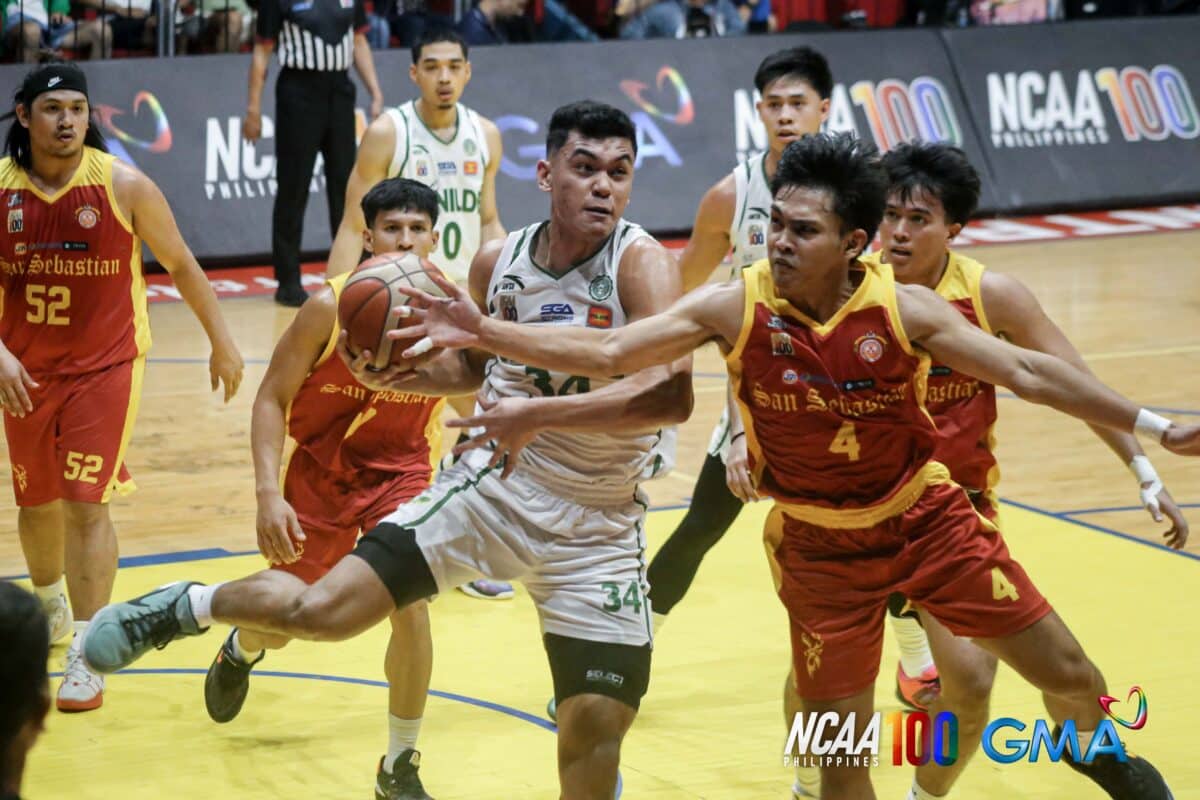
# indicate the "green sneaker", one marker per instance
pixel 552 710
pixel 227 682
pixel 121 633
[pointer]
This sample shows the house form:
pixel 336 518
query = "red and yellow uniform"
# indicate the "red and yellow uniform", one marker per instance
pixel 963 407
pixel 73 311
pixel 839 437
pixel 359 455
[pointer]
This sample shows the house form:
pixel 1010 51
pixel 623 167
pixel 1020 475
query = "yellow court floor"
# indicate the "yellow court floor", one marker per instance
pixel 711 726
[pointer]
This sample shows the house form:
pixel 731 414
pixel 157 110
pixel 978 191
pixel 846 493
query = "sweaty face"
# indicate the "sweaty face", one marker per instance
pixel 441 74
pixel 915 236
pixel 790 108
pixel 401 231
pixel 57 122
pixel 589 181
pixel 805 240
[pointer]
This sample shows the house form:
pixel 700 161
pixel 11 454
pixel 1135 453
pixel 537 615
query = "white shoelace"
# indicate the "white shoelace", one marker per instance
pixel 76 671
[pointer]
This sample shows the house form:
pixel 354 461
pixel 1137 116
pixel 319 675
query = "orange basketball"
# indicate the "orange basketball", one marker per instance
pixel 367 299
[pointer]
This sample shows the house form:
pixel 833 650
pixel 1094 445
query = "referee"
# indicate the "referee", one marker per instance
pixel 314 111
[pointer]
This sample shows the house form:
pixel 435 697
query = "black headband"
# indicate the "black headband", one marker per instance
pixel 52 78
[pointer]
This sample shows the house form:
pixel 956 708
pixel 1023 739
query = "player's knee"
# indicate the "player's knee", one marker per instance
pixel 412 620
pixel 591 727
pixel 1074 674
pixel 312 615
pixel 84 518
pixel 968 688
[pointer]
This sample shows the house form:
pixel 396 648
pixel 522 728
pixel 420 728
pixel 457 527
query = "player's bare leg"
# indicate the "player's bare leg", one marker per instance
pixel 808 779
pixel 1048 656
pixel 90 561
pixel 42 541
pixel 967 674
pixel 408 664
pixel 590 730
pixel 846 783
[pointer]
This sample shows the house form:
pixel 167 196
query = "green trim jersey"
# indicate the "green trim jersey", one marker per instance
pixel 751 215
pixel 455 170
pixel 591 468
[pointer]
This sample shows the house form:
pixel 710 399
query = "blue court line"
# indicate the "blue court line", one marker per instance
pixel 1059 515
pixel 1081 511
pixel 313 676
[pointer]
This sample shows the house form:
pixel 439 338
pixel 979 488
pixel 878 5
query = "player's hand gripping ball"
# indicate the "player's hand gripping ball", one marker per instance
pixel 366 303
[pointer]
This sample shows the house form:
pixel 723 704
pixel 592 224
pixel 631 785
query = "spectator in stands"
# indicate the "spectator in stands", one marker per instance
pixel 484 24
pixel 129 21
pixel 757 15
pixel 681 19
pixel 24 682
pixel 34 26
pixel 211 26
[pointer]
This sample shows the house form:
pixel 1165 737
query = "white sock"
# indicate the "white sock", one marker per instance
pixel 80 626
pixel 402 735
pixel 201 598
pixel 915 657
pixel 51 592
pixel 808 782
pixel 917 793
pixel 244 655
pixel 657 621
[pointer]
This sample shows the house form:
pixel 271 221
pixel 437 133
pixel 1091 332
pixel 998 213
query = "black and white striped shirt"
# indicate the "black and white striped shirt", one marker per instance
pixel 313 34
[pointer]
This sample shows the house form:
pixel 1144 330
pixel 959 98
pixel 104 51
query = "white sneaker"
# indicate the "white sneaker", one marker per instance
pixel 81 689
pixel 62 621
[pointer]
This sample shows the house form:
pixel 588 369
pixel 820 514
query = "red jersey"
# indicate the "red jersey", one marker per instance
pixel 346 426
pixel 964 407
pixel 73 295
pixel 835 423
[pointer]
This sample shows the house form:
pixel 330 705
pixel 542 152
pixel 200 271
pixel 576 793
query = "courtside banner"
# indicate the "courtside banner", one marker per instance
pixel 179 120
pixel 1099 113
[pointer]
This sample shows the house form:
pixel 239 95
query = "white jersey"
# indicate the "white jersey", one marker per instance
pixel 751 214
pixel 455 170
pixel 590 468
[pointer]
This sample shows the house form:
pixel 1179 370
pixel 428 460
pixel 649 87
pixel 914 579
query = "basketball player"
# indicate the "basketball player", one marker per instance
pixel 359 455
pixel 933 190
pixel 440 142
pixel 73 339
pixel 829 364
pixel 565 517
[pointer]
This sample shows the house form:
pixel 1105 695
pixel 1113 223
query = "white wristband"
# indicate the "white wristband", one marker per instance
pixel 1151 425
pixel 1149 484
pixel 1143 470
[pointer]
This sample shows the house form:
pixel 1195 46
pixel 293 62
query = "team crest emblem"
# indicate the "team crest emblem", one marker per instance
pixel 87 217
pixel 870 347
pixel 756 236
pixel 16 221
pixel 781 345
pixel 790 376
pixel 469 147
pixel 601 288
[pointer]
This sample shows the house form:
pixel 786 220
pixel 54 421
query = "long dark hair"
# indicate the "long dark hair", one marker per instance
pixel 17 145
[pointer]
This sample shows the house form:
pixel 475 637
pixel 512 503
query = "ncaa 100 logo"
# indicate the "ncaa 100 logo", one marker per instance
pixel 895 111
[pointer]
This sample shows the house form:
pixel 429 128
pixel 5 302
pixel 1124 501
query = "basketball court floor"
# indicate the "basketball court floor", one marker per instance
pixel 711 725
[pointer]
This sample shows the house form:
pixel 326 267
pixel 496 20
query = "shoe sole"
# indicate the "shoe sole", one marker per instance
pixel 75 706
pixel 904 701
pixel 468 590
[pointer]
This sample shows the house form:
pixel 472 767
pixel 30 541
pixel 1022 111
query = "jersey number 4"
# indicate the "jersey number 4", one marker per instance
pixel 845 442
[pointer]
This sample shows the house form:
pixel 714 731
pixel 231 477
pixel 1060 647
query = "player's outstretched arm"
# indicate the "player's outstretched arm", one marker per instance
pixel 709 242
pixel 370 167
pixel 296 353
pixel 709 313
pixel 489 214
pixel 152 221
pixel 933 324
pixel 1015 314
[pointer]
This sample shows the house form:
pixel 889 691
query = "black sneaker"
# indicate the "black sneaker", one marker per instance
pixel 403 782
pixel 1132 779
pixel 227 682
pixel 291 295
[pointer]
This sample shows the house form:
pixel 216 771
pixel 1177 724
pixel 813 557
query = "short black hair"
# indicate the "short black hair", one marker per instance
pixel 844 166
pixel 940 169
pixel 591 119
pixel 399 194
pixel 800 62
pixel 23 676
pixel 435 35
pixel 17 143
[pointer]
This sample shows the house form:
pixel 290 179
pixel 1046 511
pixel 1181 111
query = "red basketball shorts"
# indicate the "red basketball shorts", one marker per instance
pixel 940 553
pixel 72 446
pixel 335 507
